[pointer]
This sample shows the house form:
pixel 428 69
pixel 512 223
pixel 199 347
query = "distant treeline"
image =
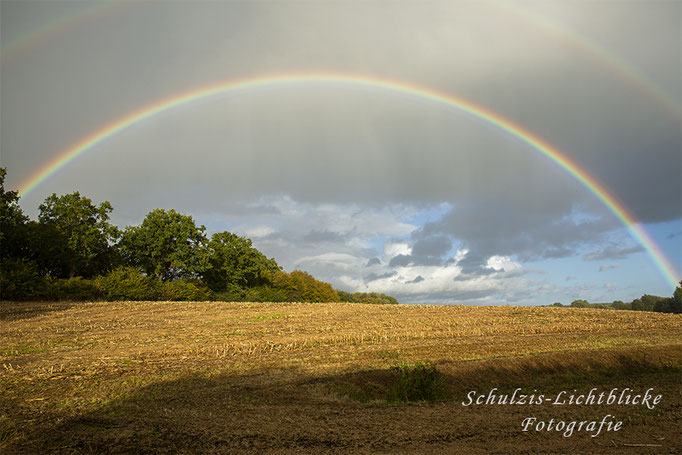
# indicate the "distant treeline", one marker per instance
pixel 72 252
pixel 645 303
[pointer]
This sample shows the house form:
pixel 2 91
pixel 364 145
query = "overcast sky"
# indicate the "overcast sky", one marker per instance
pixel 364 188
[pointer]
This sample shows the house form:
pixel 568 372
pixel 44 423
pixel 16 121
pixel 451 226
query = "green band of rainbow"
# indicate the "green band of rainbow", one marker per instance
pixel 581 175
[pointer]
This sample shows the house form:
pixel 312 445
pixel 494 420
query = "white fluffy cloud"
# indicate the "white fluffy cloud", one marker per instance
pixel 502 263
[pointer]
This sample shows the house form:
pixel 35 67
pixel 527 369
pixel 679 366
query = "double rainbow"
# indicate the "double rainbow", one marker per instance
pixel 581 175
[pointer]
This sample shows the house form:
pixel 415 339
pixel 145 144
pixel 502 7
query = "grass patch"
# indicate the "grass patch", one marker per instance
pixel 19 349
pixel 422 382
pixel 266 317
pixel 353 392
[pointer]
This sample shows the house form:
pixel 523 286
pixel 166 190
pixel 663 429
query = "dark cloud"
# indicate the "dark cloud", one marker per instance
pixel 466 296
pixel 493 228
pixel 673 235
pixel 400 260
pixel 297 140
pixel 316 236
pixel 432 246
pixel 419 279
pixel 373 261
pixel 379 276
pixel 612 252
pixel 329 171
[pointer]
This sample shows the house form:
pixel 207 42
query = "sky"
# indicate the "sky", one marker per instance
pixel 365 187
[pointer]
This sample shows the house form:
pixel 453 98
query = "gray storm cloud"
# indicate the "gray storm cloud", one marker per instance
pixel 326 172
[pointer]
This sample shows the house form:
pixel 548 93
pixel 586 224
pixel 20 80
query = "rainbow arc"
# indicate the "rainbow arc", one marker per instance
pixel 535 142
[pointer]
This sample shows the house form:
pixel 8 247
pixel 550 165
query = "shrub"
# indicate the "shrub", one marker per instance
pixel 266 294
pixel 374 298
pixel 21 280
pixel 73 289
pixel 346 297
pixel 184 290
pixel 423 382
pixel 665 305
pixel 127 283
pixel 299 286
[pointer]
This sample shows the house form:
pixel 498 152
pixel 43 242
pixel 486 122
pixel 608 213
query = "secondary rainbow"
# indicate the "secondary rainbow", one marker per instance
pixel 594 51
pixel 504 124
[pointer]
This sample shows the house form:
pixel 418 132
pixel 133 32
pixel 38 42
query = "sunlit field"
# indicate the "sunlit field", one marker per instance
pixel 209 377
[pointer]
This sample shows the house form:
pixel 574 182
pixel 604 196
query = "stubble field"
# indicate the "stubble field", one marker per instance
pixel 213 377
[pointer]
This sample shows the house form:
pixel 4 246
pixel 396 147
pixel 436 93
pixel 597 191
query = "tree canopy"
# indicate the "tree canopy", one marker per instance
pixel 84 230
pixel 74 252
pixel 167 245
pixel 234 264
pixel 12 221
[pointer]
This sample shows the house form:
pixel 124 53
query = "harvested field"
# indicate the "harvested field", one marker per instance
pixel 213 377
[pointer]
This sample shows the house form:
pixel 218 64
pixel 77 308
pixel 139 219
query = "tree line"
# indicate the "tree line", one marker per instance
pixel 73 252
pixel 644 303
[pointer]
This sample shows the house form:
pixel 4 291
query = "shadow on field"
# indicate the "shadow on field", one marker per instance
pixel 12 311
pixel 288 411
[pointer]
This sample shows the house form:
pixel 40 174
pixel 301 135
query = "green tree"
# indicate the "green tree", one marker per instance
pixel 646 302
pixel 672 304
pixel 167 245
pixel 374 297
pixel 85 229
pixel 300 286
pixel 235 265
pixel 48 248
pixel 580 304
pixel 677 299
pixel 12 223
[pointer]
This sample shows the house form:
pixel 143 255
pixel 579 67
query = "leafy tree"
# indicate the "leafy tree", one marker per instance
pixel 48 247
pixel 646 302
pixel 235 265
pixel 85 229
pixel 672 304
pixel 21 280
pixel 12 222
pixel 677 299
pixel 127 283
pixel 346 297
pixel 580 304
pixel 300 286
pixel 374 298
pixel 167 245
pixel 620 305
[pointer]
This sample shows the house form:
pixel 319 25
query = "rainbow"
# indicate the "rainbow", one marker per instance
pixel 506 125
pixel 598 54
pixel 50 30
pixel 592 50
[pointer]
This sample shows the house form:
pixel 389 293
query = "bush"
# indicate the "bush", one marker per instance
pixel 73 289
pixel 184 290
pixel 367 297
pixel 299 286
pixel 21 280
pixel 423 382
pixel 127 283
pixel 229 294
pixel 665 306
pixel 374 298
pixel 266 293
pixel 346 297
